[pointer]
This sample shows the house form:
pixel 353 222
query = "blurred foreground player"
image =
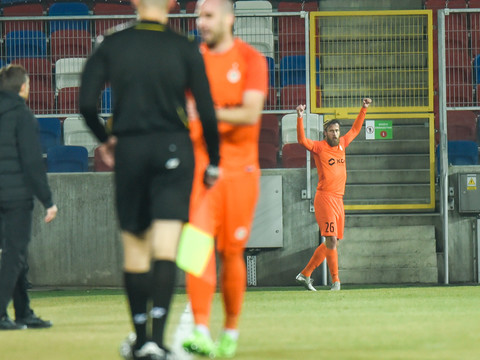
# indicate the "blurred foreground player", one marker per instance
pixel 149 68
pixel 329 156
pixel 238 80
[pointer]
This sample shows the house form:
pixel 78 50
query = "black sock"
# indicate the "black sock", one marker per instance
pixel 137 286
pixel 163 286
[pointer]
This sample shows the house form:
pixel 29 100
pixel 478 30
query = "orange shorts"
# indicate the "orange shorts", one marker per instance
pixel 330 214
pixel 227 211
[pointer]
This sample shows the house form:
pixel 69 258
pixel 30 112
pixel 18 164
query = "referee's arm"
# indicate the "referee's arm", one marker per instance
pixel 93 81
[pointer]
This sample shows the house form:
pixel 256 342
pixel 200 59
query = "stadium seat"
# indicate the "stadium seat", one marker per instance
pixel 41 98
pixel 271 71
pixel 295 156
pixel 270 130
pixel 462 125
pixel 292 70
pixel 68 9
pixel 289 128
pixel 50 131
pixel 22 44
pixel 106 101
pixel 287 6
pixel 76 132
pixel 112 9
pixel 267 155
pixel 261 38
pixel 292 95
pixel 70 43
pixel 257 7
pixel 67 159
pixel 67 100
pixel 271 100
pixel 23 25
pixel 68 72
pixel 291 35
pixel 98 164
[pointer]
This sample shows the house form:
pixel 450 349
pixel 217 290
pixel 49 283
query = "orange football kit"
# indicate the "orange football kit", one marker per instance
pixel 227 209
pixel 328 202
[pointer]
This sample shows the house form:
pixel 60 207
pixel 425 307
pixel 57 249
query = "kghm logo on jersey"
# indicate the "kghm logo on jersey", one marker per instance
pixel 332 161
pixel 234 75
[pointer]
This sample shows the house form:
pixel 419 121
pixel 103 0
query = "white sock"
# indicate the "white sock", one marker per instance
pixel 232 332
pixel 203 329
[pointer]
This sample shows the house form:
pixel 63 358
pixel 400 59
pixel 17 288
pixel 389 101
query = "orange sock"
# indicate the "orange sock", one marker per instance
pixel 234 283
pixel 200 293
pixel 315 261
pixel 332 259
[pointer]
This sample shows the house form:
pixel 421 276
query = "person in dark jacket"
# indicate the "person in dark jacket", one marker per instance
pixel 22 176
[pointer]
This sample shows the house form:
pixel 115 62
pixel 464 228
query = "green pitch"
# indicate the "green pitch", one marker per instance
pixel 282 323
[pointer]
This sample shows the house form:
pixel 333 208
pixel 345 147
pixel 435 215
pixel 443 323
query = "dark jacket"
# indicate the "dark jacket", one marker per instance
pixel 22 169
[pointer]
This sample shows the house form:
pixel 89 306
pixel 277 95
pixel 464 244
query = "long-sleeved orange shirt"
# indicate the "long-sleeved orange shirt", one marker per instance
pixel 330 161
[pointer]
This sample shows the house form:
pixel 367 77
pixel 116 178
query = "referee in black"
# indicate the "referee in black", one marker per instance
pixel 149 68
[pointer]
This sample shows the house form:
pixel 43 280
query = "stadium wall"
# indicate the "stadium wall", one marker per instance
pixel 82 246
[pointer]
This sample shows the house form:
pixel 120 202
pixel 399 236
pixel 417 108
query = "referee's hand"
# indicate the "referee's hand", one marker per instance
pixel 212 172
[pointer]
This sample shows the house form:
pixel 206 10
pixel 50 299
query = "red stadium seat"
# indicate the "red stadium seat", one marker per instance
pixel 67 100
pixel 41 98
pixel 70 43
pixel 287 6
pixel 112 9
pixel 292 95
pixel 291 36
pixel 270 130
pixel 295 156
pixel 462 125
pixel 267 155
pixel 23 10
pixel 271 100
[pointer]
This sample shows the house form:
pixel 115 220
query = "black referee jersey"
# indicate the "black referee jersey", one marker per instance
pixel 149 68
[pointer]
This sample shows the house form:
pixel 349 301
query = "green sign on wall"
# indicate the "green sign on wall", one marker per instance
pixel 378 130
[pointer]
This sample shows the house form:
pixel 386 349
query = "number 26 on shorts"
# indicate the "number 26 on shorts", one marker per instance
pixel 329 227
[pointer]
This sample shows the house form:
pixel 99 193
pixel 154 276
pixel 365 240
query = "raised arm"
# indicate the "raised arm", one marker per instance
pixel 357 125
pixel 300 131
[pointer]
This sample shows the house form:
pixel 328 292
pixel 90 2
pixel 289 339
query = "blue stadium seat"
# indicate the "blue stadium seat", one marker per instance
pixel 68 9
pixel 106 104
pixel 292 70
pixel 67 159
pixel 271 71
pixel 23 44
pixel 50 131
pixel 460 152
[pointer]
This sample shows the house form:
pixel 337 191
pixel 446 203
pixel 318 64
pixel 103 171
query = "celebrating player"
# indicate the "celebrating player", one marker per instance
pixel 329 156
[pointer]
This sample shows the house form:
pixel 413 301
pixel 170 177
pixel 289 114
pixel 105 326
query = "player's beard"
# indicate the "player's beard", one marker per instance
pixel 333 142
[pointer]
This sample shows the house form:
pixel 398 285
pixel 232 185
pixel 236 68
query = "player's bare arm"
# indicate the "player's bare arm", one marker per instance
pixel 246 114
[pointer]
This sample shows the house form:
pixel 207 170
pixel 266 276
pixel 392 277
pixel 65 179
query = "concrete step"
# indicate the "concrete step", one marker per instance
pixel 393 146
pixel 388 254
pixel 401 192
pixel 390 161
pixel 387 176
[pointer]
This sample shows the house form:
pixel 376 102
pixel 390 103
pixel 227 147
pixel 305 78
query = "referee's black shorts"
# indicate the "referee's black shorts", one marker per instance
pixel 153 177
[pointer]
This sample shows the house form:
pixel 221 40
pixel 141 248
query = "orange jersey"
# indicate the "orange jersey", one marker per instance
pixel 330 161
pixel 230 74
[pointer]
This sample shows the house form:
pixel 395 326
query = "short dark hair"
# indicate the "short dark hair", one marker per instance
pixel 330 123
pixel 12 77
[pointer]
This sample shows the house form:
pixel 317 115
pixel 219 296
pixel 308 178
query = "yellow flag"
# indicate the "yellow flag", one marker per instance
pixel 194 250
